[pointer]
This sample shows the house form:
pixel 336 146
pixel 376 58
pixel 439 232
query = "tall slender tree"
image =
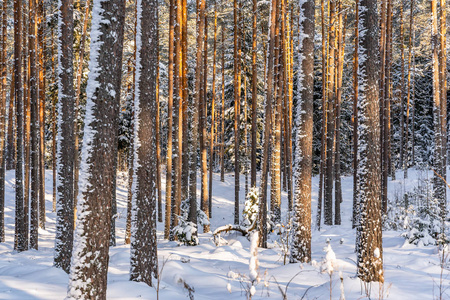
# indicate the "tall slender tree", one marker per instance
pixel 65 140
pixel 88 273
pixel 301 244
pixel 3 85
pixel 34 122
pixel 254 93
pixel 369 230
pixel 236 110
pixel 262 217
pixel 20 232
pixel 144 258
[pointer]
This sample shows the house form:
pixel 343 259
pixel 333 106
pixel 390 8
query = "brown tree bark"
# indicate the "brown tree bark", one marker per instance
pixel 236 62
pixel 329 174
pixel 65 146
pixel 254 93
pixel 168 219
pixel 301 244
pixel 262 217
pixel 144 257
pixel 20 241
pixel 356 188
pixel 369 248
pixel 42 88
pixel 213 112
pixel 324 117
pixel 99 154
pixel 202 128
pixel 34 125
pixel 3 87
pixel 222 118
pixel 79 73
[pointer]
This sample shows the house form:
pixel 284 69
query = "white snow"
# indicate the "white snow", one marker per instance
pixel 215 272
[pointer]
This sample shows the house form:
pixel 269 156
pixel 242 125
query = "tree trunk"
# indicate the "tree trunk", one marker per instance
pixel 202 129
pixel 369 249
pixel 254 93
pixel 34 126
pixel 144 258
pixel 328 200
pixel 65 140
pixel 236 113
pixel 3 86
pixel 443 94
pixel 98 154
pixel 301 244
pixel 356 188
pixel 41 16
pixel 168 220
pixel 213 111
pixel 324 118
pixel 222 119
pixel 20 241
pixel 77 100
pixel 262 218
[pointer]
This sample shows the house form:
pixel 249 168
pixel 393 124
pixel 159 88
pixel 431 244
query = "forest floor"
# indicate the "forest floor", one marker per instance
pixel 213 272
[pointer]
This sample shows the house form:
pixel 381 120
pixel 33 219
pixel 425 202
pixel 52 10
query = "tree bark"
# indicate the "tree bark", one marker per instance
pixel 369 249
pixel 301 244
pixel 65 140
pixel 144 258
pixel 98 154
pixel 20 241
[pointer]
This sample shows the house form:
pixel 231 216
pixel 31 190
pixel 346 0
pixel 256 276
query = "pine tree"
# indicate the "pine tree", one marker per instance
pixel 144 258
pixel 3 87
pixel 369 231
pixel 41 24
pixel 237 113
pixel 88 273
pixel 301 243
pixel 169 215
pixel 34 122
pixel 262 219
pixel 355 210
pixel 20 241
pixel 65 140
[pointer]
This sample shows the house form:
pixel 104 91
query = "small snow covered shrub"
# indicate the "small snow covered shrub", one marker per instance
pixel 186 231
pixel 416 213
pixel 251 206
pixel 284 233
pixel 422 223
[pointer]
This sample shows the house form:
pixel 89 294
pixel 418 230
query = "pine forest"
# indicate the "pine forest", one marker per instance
pixel 224 149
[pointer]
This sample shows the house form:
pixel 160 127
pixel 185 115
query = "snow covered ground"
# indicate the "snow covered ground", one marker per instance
pixel 220 272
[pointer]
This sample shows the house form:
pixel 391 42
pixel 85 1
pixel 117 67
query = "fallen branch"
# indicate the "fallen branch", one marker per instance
pixel 230 227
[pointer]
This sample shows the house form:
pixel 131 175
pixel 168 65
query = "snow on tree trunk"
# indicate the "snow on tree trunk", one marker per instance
pixel 65 139
pixel 34 121
pixel 3 121
pixel 369 231
pixel 144 259
pixel 301 242
pixel 89 269
pixel 20 241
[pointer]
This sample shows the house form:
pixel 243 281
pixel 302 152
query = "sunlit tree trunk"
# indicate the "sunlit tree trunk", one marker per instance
pixel 301 243
pixel 168 219
pixel 369 248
